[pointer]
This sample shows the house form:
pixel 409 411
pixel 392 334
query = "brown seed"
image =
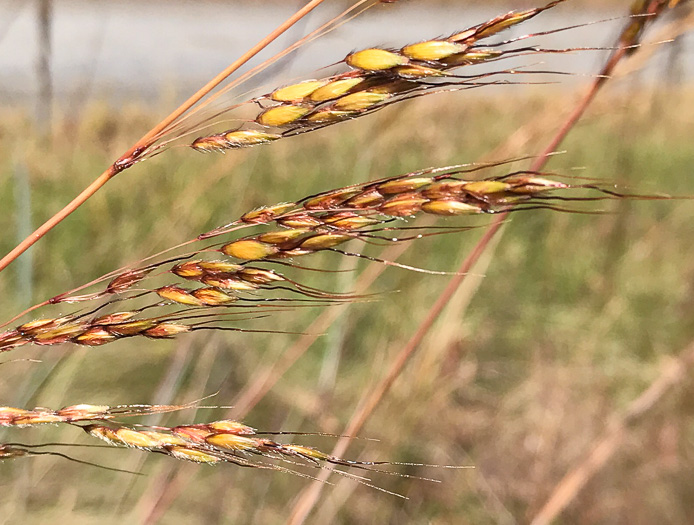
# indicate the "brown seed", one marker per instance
pixel 188 270
pixel 95 336
pixel 259 276
pixel 114 318
pixel 213 297
pixel 266 213
pixel 331 199
pixel 324 241
pixel 300 220
pixel 132 328
pixel 366 199
pixel 281 236
pixel 166 330
pixel 328 115
pixel 405 184
pixel 83 412
pixel 403 205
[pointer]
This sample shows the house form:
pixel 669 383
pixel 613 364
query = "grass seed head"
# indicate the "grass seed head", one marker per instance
pixel 166 330
pixel 266 213
pixel 279 116
pixel 335 89
pixel 330 115
pixel 433 50
pixel 297 92
pixel 403 185
pixel 249 250
pixel 178 295
pixel 231 426
pixel 281 236
pixel 232 442
pixel 403 205
pixel 194 455
pixel 375 60
pixel 324 241
pixel 95 336
pixel 132 328
pixel 213 297
pixel 360 101
pixel 450 207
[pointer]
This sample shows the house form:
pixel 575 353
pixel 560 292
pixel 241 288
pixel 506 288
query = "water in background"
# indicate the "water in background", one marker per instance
pixel 137 50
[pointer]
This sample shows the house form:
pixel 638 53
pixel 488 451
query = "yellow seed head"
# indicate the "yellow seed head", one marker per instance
pixel 375 60
pixel 486 187
pixel 9 414
pixel 59 335
pixel 331 199
pixel 229 282
pixel 163 439
pixel 279 116
pixel 328 115
pixel 335 89
pixel 95 336
pixel 300 220
pixel 188 270
pixel 166 330
pixel 213 297
pixel 266 213
pixel 297 92
pixel 135 439
pixel 444 189
pixel 414 71
pixel 249 250
pixel 350 222
pixel 248 137
pixel 195 433
pixel 191 454
pixel 473 56
pixel 324 241
pixel 367 199
pixel 232 442
pixel 125 280
pixel 210 143
pixel 306 452
pixel 259 276
pixel 230 426
pixel 403 185
pixel 360 101
pixel 433 50
pixel 178 295
pixel 526 185
pixel 83 412
pixel 403 205
pixel 37 418
pixel 104 433
pixel 449 207
pixel 281 236
pixel 219 267
pixel 132 328
pixel 114 318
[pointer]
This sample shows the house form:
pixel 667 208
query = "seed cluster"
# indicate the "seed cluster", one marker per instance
pixel 377 77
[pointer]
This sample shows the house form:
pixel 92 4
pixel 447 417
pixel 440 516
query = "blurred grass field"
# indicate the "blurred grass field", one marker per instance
pixel 573 317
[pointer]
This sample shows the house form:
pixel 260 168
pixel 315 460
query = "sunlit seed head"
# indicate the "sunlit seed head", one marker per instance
pixel 360 101
pixel 486 187
pixel 83 412
pixel 194 455
pixel 166 330
pixel 229 282
pixel 210 143
pixel 135 439
pixel 281 236
pixel 231 426
pixel 415 71
pixel 249 250
pixel 331 199
pixel 61 334
pixel 248 137
pixel 95 336
pixel 194 433
pixel 352 222
pixel 329 115
pixel 306 452
pixel 178 295
pixel 527 185
pixel 126 280
pixel 266 213
pixel 504 22
pixel 324 241
pixel 335 89
pixel 375 59
pixel 367 199
pixel 163 439
pixel 114 318
pixel 259 276
pixel 104 433
pixel 188 270
pixel 403 205
pixel 37 418
pixel 473 56
pixel 279 116
pixel 433 50
pixel 444 189
pixel 406 184
pixel 232 442
pixel 449 207
pixel 213 297
pixel 300 221
pixel 297 92
pixel 131 328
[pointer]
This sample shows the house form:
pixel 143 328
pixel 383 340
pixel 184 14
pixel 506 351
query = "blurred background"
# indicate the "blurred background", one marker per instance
pixel 566 322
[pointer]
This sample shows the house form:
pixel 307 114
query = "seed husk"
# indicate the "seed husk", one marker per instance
pixel 335 89
pixel 279 116
pixel 375 59
pixel 297 92
pixel 433 50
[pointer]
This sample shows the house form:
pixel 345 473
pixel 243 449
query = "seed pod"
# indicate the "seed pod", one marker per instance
pixel 194 455
pixel 249 249
pixel 83 412
pixel 210 143
pixel 300 220
pixel 104 433
pixel 415 71
pixel 219 266
pixel 9 414
pixel 41 325
pixel 335 89
pixel 259 276
pixel 473 56
pixel 164 439
pixel 266 213
pixel 281 236
pixel 132 328
pixel 59 335
pixel 114 318
pixel 166 330
pixel 359 101
pixel 329 115
pixel 248 137
pixel 95 336
pixel 126 280
pixel 134 439
pixel 213 297
pixel 227 281
pixel 297 92
pixel 232 442
pixel 375 60
pixel 350 221
pixel 443 189
pixel 433 50
pixel 188 270
pixel 403 185
pixel 177 295
pixel 230 426
pixel 366 199
pixel 324 241
pixel 331 199
pixel 279 116
pixel 450 207
pixel 403 205
pixel 485 187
